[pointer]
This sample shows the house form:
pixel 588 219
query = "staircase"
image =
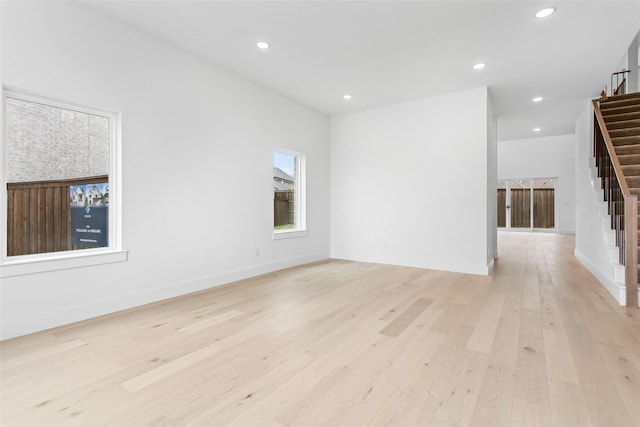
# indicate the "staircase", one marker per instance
pixel 621 114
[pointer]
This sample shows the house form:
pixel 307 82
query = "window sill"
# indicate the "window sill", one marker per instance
pixel 289 234
pixel 59 261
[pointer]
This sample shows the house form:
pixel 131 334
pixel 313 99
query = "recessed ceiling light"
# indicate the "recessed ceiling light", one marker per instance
pixel 263 45
pixel 545 12
pixel 479 66
pixel 537 99
pixel 346 97
pixel 537 129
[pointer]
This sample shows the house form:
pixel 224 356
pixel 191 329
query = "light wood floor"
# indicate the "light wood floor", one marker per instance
pixel 538 343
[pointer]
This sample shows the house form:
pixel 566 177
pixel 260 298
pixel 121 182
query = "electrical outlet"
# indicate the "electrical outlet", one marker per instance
pixel 256 251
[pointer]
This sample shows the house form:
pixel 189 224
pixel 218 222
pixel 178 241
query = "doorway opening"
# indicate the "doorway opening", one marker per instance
pixel 527 204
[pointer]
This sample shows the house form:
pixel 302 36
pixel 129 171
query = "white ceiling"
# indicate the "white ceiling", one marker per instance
pixel 385 52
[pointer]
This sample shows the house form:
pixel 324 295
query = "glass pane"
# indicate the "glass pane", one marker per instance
pixel 502 207
pixel 57 174
pixel 521 203
pixel 45 142
pixel 284 188
pixel 544 203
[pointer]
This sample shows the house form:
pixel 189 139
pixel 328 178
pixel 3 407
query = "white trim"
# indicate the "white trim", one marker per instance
pixel 31 96
pixel 566 231
pixel 617 290
pixel 54 318
pixel 38 263
pixel 288 234
pixel 52 261
pixel 3 185
pixel 466 268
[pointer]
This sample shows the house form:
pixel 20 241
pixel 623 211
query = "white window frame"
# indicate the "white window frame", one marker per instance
pixel 38 263
pixel 531 189
pixel 300 189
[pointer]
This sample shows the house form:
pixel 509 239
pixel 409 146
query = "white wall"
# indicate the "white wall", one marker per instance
pixel 633 64
pixel 549 157
pixel 630 61
pixel 409 186
pixel 492 173
pixel 199 137
pixel 591 248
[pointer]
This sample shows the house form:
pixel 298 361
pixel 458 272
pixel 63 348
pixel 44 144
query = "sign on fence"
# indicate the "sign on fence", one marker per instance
pixel 89 215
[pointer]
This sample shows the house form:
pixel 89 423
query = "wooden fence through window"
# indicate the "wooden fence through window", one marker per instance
pixel 283 208
pixel 520 207
pixel 39 215
pixel 543 208
pixel 502 207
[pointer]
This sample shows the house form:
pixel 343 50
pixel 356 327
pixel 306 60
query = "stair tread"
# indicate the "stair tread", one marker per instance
pixel 628 131
pixel 621 97
pixel 631 171
pixel 630 149
pixel 626 140
pixel 613 103
pixel 629 159
pixel 633 182
pixel 622 117
pixel 623 124
pixel 619 110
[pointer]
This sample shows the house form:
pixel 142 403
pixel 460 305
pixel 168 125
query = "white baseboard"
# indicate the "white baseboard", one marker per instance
pixel 42 321
pixel 566 231
pixel 455 267
pixel 617 290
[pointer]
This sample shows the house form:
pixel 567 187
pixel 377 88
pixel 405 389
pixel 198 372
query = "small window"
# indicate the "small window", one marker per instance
pixel 288 194
pixel 59 178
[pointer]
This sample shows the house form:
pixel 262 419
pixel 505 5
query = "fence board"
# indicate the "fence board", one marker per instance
pixel 56 219
pixel 17 223
pixel 66 213
pixel 33 219
pixel 24 219
pixel 283 208
pixel 10 214
pixel 49 212
pixel 520 208
pixel 543 208
pixel 42 220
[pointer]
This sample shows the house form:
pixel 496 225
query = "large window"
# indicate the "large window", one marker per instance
pixel 526 204
pixel 60 192
pixel 289 219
